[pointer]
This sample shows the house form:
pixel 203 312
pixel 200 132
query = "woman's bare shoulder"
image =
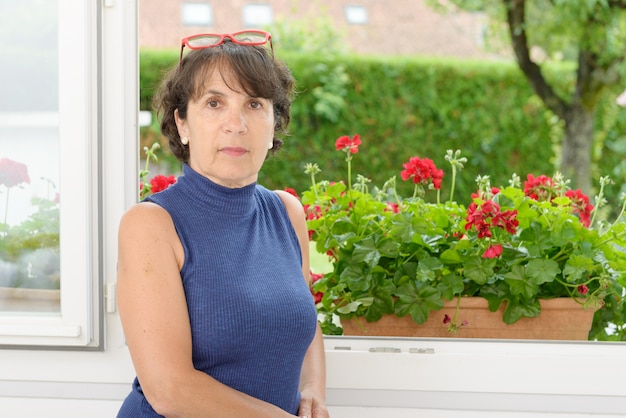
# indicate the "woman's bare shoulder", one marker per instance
pixel 146 216
pixel 149 226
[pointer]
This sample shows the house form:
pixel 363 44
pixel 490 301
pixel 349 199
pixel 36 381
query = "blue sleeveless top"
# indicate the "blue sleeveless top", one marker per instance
pixel 252 314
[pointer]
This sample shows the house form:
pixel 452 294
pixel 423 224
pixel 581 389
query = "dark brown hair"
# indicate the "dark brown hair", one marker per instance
pixel 254 67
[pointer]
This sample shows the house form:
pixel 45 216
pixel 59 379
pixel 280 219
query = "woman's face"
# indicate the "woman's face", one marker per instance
pixel 229 132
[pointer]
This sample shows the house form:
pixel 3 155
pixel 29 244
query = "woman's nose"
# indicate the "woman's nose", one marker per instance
pixel 235 122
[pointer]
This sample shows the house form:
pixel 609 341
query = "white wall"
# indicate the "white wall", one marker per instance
pixel 468 379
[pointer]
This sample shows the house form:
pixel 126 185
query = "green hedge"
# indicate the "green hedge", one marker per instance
pixel 419 107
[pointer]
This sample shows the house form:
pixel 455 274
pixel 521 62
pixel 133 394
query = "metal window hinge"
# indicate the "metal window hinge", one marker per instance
pixel 385 350
pixel 422 350
pixel 109 297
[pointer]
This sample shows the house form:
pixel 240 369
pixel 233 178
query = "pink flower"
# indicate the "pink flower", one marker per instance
pixel 13 173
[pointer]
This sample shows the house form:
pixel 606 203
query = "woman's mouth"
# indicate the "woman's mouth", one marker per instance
pixel 233 151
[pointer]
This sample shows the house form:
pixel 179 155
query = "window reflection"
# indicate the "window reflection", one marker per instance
pixel 29 157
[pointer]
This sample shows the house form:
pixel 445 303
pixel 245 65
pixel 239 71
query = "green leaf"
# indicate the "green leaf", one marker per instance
pixel 353 306
pixel 495 295
pixel 542 270
pixel 451 285
pixel 562 233
pixel 450 256
pixel 370 250
pixel 366 252
pixel 356 278
pixel 417 300
pixel 402 226
pixel 479 269
pixel 405 272
pixel 427 267
pixel 576 266
pixel 518 283
pixel 515 310
pixel 382 301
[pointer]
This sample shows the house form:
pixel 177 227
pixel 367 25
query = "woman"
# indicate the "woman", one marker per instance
pixel 213 271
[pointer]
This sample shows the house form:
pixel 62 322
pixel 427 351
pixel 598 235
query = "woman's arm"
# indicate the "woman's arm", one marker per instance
pixel 313 377
pixel 153 311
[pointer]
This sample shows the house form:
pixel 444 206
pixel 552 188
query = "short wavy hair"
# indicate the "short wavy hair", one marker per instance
pixel 255 68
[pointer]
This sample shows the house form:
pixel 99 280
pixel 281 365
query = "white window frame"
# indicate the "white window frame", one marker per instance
pixel 79 324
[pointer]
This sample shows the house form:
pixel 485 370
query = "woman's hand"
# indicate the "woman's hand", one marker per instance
pixel 311 406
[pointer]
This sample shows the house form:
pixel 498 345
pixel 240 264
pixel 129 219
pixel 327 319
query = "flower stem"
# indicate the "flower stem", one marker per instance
pixel 349 160
pixel 621 213
pixel 453 184
pixel 598 201
pixel 6 208
pixel 618 235
pixel 314 185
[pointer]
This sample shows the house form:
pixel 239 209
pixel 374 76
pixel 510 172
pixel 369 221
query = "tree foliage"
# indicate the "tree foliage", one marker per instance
pixel 589 33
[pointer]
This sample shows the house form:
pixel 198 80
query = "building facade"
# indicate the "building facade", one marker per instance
pixel 392 27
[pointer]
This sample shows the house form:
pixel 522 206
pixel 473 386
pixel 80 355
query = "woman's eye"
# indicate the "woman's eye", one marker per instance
pixel 213 103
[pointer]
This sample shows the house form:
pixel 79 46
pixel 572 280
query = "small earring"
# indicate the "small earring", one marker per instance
pixel 271 145
pixel 184 140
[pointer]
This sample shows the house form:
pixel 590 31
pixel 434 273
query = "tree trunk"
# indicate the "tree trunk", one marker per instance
pixel 576 150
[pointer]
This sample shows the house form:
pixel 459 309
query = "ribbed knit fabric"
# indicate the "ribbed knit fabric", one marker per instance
pixel 252 314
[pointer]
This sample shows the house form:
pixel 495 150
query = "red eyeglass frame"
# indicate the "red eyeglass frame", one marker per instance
pixel 223 36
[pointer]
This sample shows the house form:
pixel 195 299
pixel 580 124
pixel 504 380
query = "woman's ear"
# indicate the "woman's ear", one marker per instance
pixel 181 124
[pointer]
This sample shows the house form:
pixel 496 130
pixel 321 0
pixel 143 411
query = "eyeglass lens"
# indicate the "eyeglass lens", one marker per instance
pixel 211 40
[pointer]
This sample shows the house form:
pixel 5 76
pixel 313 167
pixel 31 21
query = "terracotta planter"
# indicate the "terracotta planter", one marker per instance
pixel 560 319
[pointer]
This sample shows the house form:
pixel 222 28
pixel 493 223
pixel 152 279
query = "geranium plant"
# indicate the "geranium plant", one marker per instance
pixel 29 249
pixel 512 245
pixel 157 183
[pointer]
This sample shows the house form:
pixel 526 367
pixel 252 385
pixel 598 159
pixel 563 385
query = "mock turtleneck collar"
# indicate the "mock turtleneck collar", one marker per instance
pixel 217 198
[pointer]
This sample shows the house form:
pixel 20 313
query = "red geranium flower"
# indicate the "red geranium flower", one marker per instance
pixel 488 216
pixel 161 182
pixel 13 173
pixel 422 171
pixel 539 188
pixel 582 289
pixel 317 296
pixel 493 251
pixel 313 212
pixel 581 205
pixel 292 192
pixel 345 143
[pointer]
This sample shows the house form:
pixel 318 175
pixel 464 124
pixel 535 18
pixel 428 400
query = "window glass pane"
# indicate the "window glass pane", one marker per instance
pixel 29 157
pixel 255 15
pixel 196 14
pixel 356 15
